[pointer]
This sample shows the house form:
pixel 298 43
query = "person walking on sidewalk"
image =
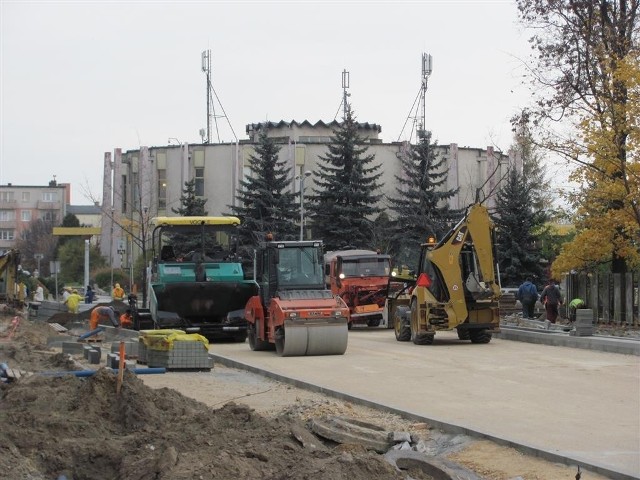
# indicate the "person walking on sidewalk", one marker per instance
pixel 552 299
pixel 528 296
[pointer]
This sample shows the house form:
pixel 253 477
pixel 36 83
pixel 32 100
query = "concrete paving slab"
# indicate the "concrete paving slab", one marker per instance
pixel 569 405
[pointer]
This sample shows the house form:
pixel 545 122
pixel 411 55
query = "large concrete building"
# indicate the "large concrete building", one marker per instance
pixel 147 182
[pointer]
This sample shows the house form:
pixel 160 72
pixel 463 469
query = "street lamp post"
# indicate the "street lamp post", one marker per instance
pixel 301 177
pixel 38 257
pixel 143 227
pixel 111 248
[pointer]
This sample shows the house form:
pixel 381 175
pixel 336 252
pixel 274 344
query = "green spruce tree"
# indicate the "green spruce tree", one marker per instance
pixel 190 204
pixel 520 215
pixel 344 198
pixel 267 204
pixel 420 206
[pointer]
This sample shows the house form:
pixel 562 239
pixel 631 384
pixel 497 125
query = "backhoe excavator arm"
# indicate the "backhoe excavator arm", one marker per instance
pixel 464 259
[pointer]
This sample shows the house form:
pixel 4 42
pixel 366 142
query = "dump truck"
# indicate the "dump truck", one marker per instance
pixel 294 314
pixel 456 286
pixel 359 277
pixel 198 281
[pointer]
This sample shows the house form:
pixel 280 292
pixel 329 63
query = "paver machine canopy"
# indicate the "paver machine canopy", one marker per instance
pixel 294 312
pixel 198 281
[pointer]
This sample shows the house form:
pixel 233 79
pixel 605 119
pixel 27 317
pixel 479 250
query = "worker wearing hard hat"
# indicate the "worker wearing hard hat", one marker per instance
pixel 103 313
pixel 126 320
pixel 118 292
pixel 73 301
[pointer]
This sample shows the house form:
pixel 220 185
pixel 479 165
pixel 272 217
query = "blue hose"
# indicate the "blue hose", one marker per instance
pixel 89 373
pixel 91 333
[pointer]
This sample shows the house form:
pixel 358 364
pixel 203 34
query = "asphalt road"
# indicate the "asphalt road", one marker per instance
pixel 565 404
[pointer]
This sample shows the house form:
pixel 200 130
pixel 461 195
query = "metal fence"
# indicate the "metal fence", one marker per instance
pixel 613 297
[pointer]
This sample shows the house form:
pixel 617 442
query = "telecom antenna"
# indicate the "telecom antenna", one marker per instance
pixel 417 115
pixel 211 107
pixel 345 86
pixel 345 95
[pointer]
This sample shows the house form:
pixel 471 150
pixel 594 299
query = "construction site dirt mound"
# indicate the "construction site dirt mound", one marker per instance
pixel 82 429
pixel 55 426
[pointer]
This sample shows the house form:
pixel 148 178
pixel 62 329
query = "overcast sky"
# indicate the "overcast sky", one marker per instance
pixel 82 78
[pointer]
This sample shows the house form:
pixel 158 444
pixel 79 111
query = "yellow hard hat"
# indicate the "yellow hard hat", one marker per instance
pixel 75 291
pixel 117 285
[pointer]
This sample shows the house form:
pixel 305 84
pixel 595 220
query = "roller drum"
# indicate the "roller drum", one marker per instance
pixel 317 338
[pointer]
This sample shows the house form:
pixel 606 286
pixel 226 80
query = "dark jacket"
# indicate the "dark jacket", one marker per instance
pixel 527 293
pixel 551 294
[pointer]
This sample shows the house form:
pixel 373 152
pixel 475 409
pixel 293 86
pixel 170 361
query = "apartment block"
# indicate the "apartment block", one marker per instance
pixel 21 204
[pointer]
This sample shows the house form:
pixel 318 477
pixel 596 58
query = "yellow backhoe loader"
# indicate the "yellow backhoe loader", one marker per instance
pixel 456 286
pixel 9 262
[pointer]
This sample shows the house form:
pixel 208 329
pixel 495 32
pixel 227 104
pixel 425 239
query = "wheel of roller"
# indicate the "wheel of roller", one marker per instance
pixel 330 339
pixel 255 343
pixel 291 341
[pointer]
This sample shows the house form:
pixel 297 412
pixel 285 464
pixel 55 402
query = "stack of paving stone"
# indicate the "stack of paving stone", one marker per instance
pixel 146 337
pixel 177 351
pixel 583 326
pixel 92 353
pixel 131 348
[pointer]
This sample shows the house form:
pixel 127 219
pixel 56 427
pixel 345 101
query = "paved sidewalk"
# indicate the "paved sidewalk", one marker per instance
pixel 565 404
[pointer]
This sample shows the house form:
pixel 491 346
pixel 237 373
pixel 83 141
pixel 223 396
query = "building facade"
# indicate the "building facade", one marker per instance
pixel 21 204
pixel 148 182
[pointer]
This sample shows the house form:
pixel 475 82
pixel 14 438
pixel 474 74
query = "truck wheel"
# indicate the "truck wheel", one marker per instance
pixel 402 323
pixel 463 334
pixel 480 335
pixel 240 337
pixel 373 323
pixel 418 338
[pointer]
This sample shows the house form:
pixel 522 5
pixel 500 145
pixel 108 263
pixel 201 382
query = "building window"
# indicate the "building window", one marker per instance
pixel 6 196
pixel 135 190
pixel 26 196
pixel 162 189
pixel 26 215
pixel 49 196
pixel 7 215
pixel 199 185
pixel 6 234
pixel 49 216
pixel 124 193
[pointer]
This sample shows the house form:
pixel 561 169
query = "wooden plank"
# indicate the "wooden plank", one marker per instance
pixel 628 298
pixel 617 298
pixel 595 299
pixel 57 327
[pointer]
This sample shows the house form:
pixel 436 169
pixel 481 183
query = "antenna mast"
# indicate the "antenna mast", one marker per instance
pixel 427 68
pixel 418 115
pixel 211 110
pixel 345 95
